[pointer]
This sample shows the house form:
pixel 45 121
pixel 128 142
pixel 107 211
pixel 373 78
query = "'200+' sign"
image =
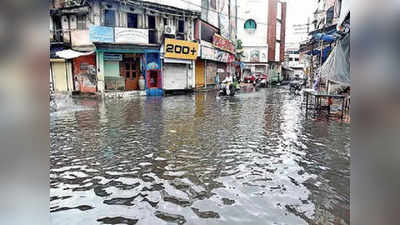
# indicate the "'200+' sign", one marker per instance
pixel 180 49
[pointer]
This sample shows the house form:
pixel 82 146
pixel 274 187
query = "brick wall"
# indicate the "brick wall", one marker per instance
pixel 271 35
pixel 283 32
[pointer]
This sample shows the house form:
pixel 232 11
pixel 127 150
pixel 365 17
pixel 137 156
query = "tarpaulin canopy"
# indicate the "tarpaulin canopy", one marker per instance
pixel 70 54
pixel 324 37
pixel 337 66
pixel 325 53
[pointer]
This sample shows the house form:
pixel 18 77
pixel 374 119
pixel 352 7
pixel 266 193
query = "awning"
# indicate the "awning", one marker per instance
pixel 326 30
pixel 71 54
pixel 325 53
pixel 324 37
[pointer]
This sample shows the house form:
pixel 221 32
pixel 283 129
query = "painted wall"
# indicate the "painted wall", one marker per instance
pixel 80 38
pixel 258 11
pixel 100 71
pixel 87 81
pixel 283 32
pixel 272 13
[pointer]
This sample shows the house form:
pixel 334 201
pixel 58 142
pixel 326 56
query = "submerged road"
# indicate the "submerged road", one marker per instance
pixel 197 159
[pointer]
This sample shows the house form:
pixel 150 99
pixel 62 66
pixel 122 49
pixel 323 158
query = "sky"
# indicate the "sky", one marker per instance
pixel 297 13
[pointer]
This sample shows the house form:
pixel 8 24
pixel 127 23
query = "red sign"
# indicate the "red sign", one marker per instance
pixel 223 43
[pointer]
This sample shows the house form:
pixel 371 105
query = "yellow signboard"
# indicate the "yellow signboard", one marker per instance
pixel 179 49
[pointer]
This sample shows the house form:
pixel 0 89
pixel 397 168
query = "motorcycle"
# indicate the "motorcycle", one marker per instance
pixel 227 89
pixel 295 86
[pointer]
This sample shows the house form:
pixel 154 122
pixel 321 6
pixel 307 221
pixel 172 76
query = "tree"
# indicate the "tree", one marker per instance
pixel 239 49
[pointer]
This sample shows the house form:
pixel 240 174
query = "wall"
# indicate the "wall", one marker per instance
pixel 258 11
pixel 272 13
pixel 255 54
pixel 80 38
pixel 283 32
pixel 88 82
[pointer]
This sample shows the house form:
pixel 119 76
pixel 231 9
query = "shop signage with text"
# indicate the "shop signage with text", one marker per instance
pixel 216 55
pixel 180 49
pixel 112 57
pixel 131 36
pixel 223 43
pixel 101 34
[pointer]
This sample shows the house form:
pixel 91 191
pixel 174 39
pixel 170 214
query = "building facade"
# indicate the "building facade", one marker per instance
pixel 262 28
pixel 215 31
pixel 128 40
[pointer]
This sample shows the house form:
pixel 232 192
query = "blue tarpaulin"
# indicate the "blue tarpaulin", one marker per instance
pixel 324 37
pixel 325 53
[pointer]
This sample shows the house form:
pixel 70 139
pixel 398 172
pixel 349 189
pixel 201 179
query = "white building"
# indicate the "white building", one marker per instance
pixel 261 28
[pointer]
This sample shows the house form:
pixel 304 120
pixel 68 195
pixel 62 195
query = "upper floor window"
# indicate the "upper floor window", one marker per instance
pixel 132 20
pixel 330 15
pixel 250 24
pixel 152 22
pixel 181 26
pixel 81 22
pixel 109 18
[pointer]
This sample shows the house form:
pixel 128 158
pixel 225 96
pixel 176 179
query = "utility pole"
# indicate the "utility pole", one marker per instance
pixel 236 19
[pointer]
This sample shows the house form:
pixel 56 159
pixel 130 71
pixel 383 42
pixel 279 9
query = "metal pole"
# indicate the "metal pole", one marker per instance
pixel 205 74
pixel 320 64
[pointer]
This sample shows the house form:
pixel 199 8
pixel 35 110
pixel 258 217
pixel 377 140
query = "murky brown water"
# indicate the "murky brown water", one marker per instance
pixel 196 159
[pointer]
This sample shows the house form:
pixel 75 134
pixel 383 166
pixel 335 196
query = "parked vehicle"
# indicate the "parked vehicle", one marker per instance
pixel 296 85
pixel 250 78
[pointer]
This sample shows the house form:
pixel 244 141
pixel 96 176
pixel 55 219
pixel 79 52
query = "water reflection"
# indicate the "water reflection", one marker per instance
pixel 198 159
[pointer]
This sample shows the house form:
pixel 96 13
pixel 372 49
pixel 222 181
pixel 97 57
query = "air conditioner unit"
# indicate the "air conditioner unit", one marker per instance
pixel 170 30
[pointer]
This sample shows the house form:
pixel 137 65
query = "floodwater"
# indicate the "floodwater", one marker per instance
pixel 197 159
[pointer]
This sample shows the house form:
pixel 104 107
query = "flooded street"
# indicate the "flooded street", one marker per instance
pixel 197 159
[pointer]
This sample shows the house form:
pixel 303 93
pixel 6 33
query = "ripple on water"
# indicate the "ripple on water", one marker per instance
pixel 195 159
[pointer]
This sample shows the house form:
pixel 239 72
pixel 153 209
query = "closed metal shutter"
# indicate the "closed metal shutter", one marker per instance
pixel 175 76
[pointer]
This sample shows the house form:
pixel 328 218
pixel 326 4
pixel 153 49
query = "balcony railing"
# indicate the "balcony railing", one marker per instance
pixel 56 36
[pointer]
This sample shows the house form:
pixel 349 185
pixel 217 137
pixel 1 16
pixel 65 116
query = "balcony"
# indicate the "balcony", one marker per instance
pixel 56 36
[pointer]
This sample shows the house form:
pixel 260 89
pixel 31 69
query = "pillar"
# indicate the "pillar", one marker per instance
pixel 100 72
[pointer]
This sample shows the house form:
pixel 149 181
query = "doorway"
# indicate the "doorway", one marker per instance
pixel 130 69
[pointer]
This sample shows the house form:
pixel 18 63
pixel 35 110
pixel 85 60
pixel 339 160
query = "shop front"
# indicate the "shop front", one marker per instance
pixel 125 59
pixel 200 73
pixel 179 64
pixel 217 63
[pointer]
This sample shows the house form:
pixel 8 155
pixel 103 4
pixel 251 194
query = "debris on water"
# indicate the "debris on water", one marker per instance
pixel 118 220
pixel 228 201
pixel 168 217
pixel 205 214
